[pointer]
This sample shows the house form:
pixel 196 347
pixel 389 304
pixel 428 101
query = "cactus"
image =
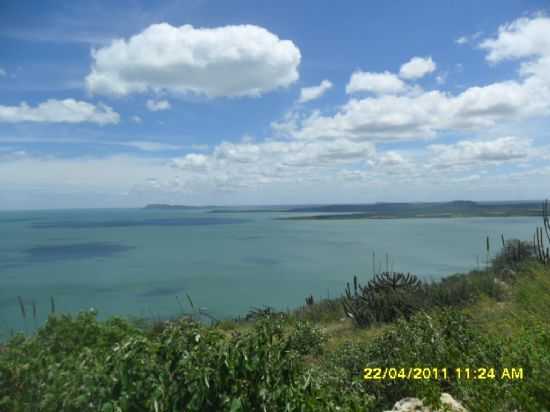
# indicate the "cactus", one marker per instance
pixel 354 307
pixel 542 251
pixel 264 312
pixel 386 297
pixel 22 307
pixel 394 281
pixel 513 251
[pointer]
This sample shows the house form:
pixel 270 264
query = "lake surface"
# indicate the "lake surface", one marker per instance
pixel 136 261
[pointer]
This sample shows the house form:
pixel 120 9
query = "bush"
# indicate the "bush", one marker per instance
pixel 449 339
pixel 307 339
pixel 80 364
pixel 386 297
pixel 445 339
pixel 391 296
pixel 513 252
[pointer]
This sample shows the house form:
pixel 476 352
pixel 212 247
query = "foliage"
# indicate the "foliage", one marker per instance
pixel 386 297
pixel 542 251
pixel 513 252
pixel 307 339
pixel 390 296
pixel 80 364
pixel 449 339
pixel 444 339
pixel 265 312
pixel 323 310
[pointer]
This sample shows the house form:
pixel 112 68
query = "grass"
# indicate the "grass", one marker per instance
pixel 527 302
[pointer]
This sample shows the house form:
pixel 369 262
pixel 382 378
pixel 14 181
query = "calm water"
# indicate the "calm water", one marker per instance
pixel 135 262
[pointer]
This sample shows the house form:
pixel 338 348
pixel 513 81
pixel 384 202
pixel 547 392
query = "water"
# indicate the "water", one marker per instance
pixel 135 262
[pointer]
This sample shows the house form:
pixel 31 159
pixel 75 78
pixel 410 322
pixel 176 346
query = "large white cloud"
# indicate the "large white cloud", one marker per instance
pixel 379 83
pixel 417 67
pixel 311 93
pixel 59 111
pixel 527 39
pixel 243 60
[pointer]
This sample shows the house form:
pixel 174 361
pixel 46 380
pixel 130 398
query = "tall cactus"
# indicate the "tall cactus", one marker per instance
pixel 542 251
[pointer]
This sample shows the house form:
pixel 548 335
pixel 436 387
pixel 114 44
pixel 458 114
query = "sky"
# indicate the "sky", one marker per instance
pixel 121 104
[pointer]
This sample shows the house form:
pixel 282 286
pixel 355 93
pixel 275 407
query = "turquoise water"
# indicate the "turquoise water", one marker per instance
pixel 135 261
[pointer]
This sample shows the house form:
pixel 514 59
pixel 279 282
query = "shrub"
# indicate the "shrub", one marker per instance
pixel 513 252
pixel 323 310
pixel 386 297
pixel 450 339
pixel 444 339
pixel 307 339
pixel 80 364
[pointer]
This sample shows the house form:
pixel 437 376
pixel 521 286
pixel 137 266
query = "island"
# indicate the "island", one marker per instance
pixel 459 208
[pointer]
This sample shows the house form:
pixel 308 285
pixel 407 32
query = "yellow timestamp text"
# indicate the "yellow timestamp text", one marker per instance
pixel 431 373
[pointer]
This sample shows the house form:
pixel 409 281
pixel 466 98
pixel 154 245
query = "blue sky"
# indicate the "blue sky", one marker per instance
pixel 116 104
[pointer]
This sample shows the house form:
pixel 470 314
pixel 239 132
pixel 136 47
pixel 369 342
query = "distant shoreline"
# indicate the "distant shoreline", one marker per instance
pixel 380 211
pixel 359 216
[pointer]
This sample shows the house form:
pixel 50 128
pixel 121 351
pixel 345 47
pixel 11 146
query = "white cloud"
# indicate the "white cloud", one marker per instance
pixel 311 93
pixel 158 105
pixel 527 39
pixel 524 37
pixel 391 158
pixel 59 111
pixel 472 152
pixel 427 114
pixel 269 171
pixel 379 83
pixel 251 165
pixel 330 151
pixel 298 165
pixel 192 161
pixel 417 67
pixel 243 60
pixel 136 119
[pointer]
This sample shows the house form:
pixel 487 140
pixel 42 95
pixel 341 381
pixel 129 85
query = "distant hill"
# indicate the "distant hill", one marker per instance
pixel 165 206
pixel 458 208
pixel 381 210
